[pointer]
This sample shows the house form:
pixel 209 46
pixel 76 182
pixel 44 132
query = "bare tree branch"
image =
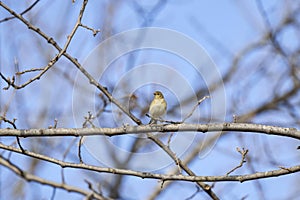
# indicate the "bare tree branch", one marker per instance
pixel 243 152
pixel 68 56
pixel 163 177
pixel 56 58
pixel 193 110
pixel 281 98
pixel 29 177
pixel 205 128
pixel 205 187
pixel 22 13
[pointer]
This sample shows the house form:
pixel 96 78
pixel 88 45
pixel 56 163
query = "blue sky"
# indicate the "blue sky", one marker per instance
pixel 222 28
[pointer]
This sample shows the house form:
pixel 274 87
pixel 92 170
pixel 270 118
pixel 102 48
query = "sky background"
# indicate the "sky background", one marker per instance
pixel 223 28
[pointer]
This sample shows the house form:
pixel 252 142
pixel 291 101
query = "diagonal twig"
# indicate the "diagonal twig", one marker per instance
pixel 55 58
pixel 243 152
pixel 193 110
pixel 91 79
pixel 22 13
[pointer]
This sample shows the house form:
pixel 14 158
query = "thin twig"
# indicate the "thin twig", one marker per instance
pixel 90 186
pixel 64 157
pixel 157 119
pixel 88 119
pixel 68 148
pixel 95 31
pixel 193 110
pixel 243 152
pixel 22 13
pixel 53 193
pixel 19 143
pixel 235 118
pixel 54 125
pixel 195 193
pixel 206 188
pixel 79 149
pixel 30 70
pixel 12 122
pixel 169 139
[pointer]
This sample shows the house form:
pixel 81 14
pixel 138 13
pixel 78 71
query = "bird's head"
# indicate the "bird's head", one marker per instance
pixel 158 94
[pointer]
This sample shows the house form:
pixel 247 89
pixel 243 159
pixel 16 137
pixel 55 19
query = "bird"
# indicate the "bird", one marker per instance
pixel 158 107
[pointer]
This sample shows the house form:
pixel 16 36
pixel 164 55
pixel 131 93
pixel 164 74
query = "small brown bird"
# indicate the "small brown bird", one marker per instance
pixel 158 107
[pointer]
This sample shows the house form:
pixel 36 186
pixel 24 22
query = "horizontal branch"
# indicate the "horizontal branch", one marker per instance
pixel 240 127
pixel 162 177
pixel 30 177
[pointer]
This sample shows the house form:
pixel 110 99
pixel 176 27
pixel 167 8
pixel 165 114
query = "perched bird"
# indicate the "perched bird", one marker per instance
pixel 158 107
